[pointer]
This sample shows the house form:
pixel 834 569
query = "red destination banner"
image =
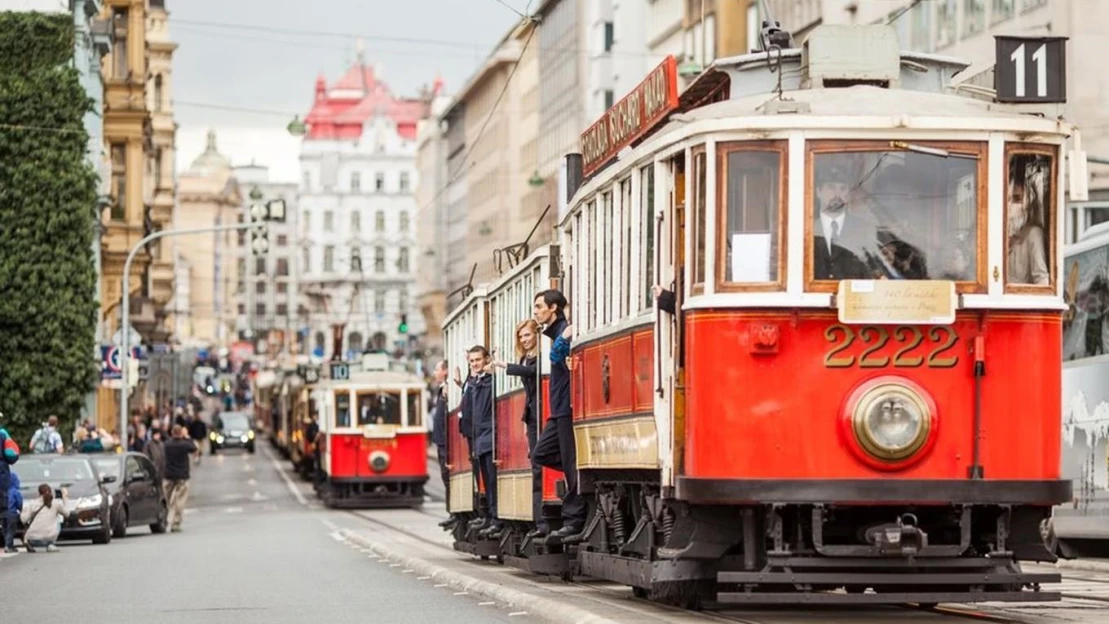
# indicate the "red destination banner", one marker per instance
pixel 631 117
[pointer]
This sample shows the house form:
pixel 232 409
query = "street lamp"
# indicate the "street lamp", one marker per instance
pixel 296 127
pixel 535 180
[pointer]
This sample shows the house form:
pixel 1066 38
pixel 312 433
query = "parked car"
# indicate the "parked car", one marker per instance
pixel 137 495
pixel 88 501
pixel 232 430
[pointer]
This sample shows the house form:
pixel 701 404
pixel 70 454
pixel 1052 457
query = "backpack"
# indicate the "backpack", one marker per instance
pixel 42 441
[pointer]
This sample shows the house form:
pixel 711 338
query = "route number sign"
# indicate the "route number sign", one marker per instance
pixel 1031 70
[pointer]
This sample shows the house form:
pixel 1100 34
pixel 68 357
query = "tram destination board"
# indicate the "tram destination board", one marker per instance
pixel 1031 70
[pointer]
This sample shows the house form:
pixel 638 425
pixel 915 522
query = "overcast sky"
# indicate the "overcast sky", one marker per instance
pixel 241 54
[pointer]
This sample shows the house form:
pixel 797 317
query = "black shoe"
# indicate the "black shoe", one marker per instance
pixel 537 533
pixel 30 548
pixel 449 522
pixel 478 522
pixel 493 531
pixel 563 534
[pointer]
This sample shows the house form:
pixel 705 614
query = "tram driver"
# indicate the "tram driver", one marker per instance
pixel 844 234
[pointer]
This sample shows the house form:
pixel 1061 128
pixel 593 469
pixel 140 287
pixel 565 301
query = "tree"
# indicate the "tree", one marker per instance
pixel 47 209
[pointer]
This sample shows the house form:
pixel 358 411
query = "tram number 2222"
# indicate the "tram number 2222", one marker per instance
pixel 941 340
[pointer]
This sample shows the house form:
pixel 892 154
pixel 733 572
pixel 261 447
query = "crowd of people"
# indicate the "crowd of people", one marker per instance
pixel 552 447
pixel 172 455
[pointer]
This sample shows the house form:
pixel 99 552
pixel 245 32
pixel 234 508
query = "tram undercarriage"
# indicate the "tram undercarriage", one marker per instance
pixel 371 493
pixel 688 554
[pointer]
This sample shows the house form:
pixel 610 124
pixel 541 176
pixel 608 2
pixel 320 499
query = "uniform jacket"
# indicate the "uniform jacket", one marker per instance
pixel 560 373
pixel 439 417
pixel 479 400
pixel 527 370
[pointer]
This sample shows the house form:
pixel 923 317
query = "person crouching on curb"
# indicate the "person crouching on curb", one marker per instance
pixel 43 518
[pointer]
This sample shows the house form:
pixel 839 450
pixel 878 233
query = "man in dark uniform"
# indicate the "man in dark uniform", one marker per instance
pixel 555 448
pixel 439 431
pixel 842 236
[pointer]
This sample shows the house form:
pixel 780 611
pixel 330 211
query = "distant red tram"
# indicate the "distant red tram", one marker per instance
pixel 857 413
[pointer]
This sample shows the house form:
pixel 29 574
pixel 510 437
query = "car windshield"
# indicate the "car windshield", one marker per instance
pixel 56 472
pixel 107 466
pixel 237 421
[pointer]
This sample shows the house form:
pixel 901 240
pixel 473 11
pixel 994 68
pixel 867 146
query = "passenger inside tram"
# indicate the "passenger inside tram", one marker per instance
pixel 379 408
pixel 894 215
pixel 1027 261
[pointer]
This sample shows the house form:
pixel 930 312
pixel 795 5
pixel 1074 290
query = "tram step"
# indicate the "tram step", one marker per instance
pixel 896 578
pixel 883 598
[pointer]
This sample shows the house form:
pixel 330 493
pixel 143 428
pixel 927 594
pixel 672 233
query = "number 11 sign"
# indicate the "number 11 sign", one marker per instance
pixel 1031 70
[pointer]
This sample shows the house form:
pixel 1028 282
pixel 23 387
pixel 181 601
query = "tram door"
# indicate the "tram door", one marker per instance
pixel 669 253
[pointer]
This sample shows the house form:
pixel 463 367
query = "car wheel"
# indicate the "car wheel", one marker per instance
pixel 213 451
pixel 250 449
pixel 160 525
pixel 120 528
pixel 105 536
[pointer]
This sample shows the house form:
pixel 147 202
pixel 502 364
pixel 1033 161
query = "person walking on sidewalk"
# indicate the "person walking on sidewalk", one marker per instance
pixel 47 439
pixel 178 452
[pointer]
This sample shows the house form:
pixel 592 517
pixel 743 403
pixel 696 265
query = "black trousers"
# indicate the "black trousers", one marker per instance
pixel 475 468
pixel 441 451
pixel 555 449
pixel 489 478
pixel 536 479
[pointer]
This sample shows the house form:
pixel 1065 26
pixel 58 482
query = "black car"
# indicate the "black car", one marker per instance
pixel 232 430
pixel 88 502
pixel 138 498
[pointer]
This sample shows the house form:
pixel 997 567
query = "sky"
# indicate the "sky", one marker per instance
pixel 244 54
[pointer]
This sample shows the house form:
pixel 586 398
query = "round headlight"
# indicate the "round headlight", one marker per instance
pixel 891 422
pixel 379 461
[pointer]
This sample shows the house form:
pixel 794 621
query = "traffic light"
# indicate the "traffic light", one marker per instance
pixel 259 233
pixel 403 327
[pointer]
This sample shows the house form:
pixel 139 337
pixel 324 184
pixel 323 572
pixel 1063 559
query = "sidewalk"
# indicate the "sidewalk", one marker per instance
pixel 1086 565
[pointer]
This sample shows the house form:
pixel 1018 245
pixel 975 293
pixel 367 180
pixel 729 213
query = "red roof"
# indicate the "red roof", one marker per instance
pixel 338 112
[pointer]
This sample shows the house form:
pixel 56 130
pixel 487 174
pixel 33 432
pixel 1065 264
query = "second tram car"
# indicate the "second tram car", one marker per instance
pixel 855 395
pixel 374 449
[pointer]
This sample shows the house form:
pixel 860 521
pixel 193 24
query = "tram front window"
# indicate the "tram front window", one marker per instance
pixel 342 409
pixel 379 408
pixel 891 214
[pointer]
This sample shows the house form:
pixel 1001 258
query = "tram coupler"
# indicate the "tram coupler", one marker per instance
pixel 903 538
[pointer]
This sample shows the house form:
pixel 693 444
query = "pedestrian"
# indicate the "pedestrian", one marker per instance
pixel 155 449
pixel 198 431
pixel 176 485
pixel 479 400
pixel 555 447
pixel 9 454
pixel 47 439
pixel 527 369
pixel 13 504
pixel 439 431
pixel 43 518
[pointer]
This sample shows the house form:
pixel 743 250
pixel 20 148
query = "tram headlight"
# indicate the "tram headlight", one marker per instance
pixel 379 461
pixel 891 421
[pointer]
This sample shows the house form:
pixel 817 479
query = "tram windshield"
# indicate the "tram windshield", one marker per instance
pixel 895 214
pixel 379 408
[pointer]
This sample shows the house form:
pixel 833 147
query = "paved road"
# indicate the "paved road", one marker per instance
pixel 249 552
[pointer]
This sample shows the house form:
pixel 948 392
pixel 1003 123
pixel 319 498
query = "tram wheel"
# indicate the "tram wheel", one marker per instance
pixel 640 592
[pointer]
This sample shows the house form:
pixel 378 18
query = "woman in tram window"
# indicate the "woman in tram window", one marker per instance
pixel 527 354
pixel 1027 256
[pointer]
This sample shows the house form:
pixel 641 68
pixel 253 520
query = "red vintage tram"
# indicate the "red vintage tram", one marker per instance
pixel 374 448
pixel 840 407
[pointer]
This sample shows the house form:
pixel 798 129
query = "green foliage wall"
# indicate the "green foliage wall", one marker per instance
pixel 47 211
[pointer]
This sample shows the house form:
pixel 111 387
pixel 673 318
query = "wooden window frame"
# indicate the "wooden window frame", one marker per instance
pixel 1051 214
pixel 644 302
pixel 978 149
pixel 780 147
pixel 697 288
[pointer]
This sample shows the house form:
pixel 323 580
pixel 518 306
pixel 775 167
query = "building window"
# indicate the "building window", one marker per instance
pixel 242 308
pixel 355 182
pixel 159 100
pixel 120 67
pixel 404 222
pixel 307 180
pixel 609 36
pixel 402 260
pixel 260 309
pixel 119 181
pixel 305 222
pixel 328 221
pixel 1028 5
pixel 282 309
pixel 946 14
pixel 402 300
pixel 921 26
pixel 328 259
pixel 609 98
pixel 259 266
pixel 404 182
pixel 379 301
pixel 355 221
pixel 307 261
pixel 379 259
pixel 282 240
pixel 260 287
pixel 355 260
pixel 379 182
pixel 1001 10
pixel 282 267
pixel 379 221
pixel 282 288
pixel 753 30
pixel 974 17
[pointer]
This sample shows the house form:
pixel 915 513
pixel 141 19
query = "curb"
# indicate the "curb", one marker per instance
pixel 547 609
pixel 1082 565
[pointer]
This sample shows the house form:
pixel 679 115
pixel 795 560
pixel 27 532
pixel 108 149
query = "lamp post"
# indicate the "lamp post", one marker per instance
pixel 125 347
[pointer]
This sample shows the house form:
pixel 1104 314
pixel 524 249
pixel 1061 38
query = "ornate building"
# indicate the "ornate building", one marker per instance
pixel 357 236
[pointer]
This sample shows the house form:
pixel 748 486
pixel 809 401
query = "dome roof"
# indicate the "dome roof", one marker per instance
pixel 211 161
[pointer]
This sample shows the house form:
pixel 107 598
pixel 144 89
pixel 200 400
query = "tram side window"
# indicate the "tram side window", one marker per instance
pixel 891 214
pixel 379 408
pixel 699 217
pixel 342 410
pixel 1028 214
pixel 415 409
pixel 751 224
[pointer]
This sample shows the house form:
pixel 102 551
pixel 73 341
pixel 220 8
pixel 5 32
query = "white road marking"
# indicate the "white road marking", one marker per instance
pixel 233 510
pixel 461 593
pixel 515 613
pixel 330 525
pixel 288 482
pixel 440 585
pixel 422 578
pixel 485 604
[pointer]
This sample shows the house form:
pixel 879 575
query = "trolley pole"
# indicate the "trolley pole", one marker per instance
pixel 125 348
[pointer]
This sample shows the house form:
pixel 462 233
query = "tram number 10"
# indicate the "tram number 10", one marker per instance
pixel 941 341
